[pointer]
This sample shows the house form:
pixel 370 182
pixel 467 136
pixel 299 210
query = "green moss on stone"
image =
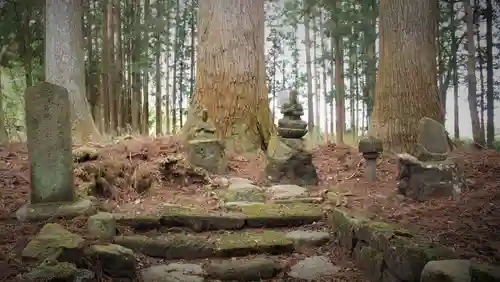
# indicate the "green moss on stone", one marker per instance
pixel 49 270
pixel 282 210
pixel 251 239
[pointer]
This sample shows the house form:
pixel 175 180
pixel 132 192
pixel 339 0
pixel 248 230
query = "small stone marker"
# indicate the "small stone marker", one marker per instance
pixel 371 148
pixel 48 130
pixel 433 141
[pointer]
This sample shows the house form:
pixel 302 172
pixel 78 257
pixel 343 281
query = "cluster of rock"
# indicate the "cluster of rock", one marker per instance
pixel 431 174
pixel 288 161
pixel 386 253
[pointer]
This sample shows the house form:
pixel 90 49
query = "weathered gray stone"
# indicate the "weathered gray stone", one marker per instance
pixel 287 191
pixel 313 268
pixel 288 162
pixel 308 238
pixel 114 260
pixel 424 180
pixel 208 154
pixel 241 191
pixel 102 225
pixel 369 260
pixel 67 210
pixel 173 272
pixel 52 271
pixel 243 270
pixel 55 243
pixel 484 272
pixel 433 141
pixel 456 270
pixel 239 180
pixel 48 130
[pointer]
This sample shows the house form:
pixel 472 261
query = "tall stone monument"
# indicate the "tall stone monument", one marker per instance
pixel 288 161
pixel 48 130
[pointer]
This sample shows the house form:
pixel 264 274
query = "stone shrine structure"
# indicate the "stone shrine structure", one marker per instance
pixel 204 149
pixel 371 148
pixel 431 174
pixel 48 130
pixel 288 161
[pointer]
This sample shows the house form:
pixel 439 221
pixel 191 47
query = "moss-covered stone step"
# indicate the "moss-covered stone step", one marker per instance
pixel 252 216
pixel 206 245
pixel 382 250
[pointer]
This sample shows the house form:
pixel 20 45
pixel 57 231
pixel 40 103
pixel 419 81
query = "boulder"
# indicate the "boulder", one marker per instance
pixel 313 268
pixel 243 270
pixel 102 225
pixel 114 260
pixel 173 272
pixel 424 180
pixel 55 243
pixel 456 270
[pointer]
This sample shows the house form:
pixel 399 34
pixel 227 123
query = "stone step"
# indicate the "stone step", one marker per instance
pixel 222 244
pixel 236 216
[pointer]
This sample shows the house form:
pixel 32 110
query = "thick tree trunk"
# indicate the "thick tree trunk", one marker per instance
pixel 65 62
pixel 230 74
pixel 408 32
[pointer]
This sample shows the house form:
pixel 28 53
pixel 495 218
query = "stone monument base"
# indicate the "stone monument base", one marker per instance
pixel 208 154
pixel 67 210
pixel 425 180
pixel 289 163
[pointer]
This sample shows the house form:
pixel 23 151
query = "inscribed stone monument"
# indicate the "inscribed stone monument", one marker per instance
pixel 48 130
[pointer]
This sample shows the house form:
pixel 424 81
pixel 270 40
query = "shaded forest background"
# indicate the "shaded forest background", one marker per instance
pixel 140 63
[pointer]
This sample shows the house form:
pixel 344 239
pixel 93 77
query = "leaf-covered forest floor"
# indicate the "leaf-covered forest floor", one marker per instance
pixel 127 168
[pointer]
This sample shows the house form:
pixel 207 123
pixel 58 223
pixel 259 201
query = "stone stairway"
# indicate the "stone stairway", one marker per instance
pixel 246 242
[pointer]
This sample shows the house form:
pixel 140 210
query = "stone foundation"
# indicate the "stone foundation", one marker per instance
pixel 385 253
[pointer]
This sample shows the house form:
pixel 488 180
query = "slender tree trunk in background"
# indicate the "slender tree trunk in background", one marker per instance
pixel 65 63
pixel 310 103
pixel 106 64
pixel 454 48
pixel 481 84
pixel 167 71
pixel 490 125
pixel 136 73
pixel 232 85
pixel 158 98
pixel 193 48
pixel 317 77
pixel 145 83
pixel 471 75
pixel 4 137
pixel 176 62
pixel 119 78
pixel 324 75
pixel 408 32
pixel 97 76
pixel 332 86
pixel 356 95
pixel 339 88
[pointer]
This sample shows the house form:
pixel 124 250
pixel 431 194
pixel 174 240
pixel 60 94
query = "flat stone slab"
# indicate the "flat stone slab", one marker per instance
pixel 308 238
pixel 207 245
pixel 243 270
pixel 281 215
pixel 313 268
pixel 238 215
pixel 173 272
pixel 66 210
pixel 287 191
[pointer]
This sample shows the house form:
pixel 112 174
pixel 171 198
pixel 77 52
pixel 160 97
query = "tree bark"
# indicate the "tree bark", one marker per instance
pixel 65 62
pixel 230 74
pixel 471 75
pixel 408 32
pixel 490 125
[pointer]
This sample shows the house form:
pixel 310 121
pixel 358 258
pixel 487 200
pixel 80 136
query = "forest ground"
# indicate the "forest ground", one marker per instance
pixel 469 225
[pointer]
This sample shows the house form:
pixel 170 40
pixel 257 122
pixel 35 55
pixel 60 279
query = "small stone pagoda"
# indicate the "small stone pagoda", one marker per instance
pixel 204 149
pixel 287 159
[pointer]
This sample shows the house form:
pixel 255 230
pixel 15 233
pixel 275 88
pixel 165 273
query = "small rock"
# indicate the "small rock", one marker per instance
pixel 308 238
pixel 239 180
pixel 54 242
pixel 313 268
pixel 102 225
pixel 244 192
pixel 173 272
pixel 45 211
pixel 455 270
pixel 287 191
pixel 114 260
pixel 243 270
pixel 51 271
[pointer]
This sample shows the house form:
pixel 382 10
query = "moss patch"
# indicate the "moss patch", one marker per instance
pixel 278 215
pixel 248 242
